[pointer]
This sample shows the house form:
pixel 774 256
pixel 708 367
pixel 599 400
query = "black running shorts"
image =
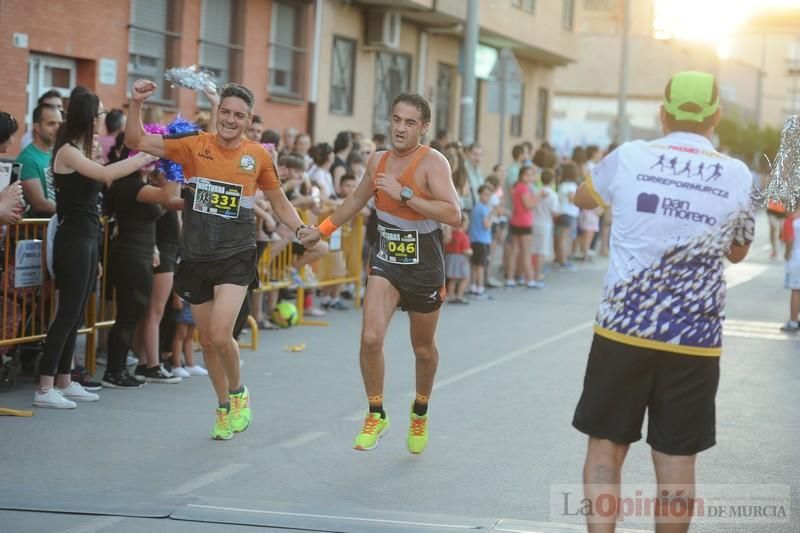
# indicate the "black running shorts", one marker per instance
pixel 195 280
pixel 676 390
pixel 480 254
pixel 416 301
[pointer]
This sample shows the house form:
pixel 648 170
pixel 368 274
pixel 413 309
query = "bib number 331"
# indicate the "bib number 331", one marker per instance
pixel 217 198
pixel 398 246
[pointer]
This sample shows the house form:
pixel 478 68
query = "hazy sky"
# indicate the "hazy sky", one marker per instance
pixel 708 20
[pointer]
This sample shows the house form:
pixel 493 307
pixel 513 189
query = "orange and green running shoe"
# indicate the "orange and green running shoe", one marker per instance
pixel 240 410
pixel 418 433
pixel 222 427
pixel 374 428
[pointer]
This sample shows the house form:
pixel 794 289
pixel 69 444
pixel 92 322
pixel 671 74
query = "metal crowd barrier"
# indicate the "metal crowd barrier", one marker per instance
pixel 27 310
pixel 352 242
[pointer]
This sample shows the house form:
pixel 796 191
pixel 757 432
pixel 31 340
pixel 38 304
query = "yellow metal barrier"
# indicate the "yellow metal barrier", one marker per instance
pixel 328 267
pixel 27 312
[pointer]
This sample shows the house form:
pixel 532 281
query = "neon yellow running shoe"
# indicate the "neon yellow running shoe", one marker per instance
pixel 374 428
pixel 241 415
pixel 418 433
pixel 222 428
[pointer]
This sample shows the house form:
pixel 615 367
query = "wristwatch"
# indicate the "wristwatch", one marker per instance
pixel 406 193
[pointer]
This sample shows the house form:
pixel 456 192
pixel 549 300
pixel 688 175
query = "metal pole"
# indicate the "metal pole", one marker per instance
pixel 422 64
pixel 622 118
pixel 503 88
pixel 313 93
pixel 469 86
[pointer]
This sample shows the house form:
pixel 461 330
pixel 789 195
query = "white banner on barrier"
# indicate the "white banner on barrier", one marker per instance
pixel 28 264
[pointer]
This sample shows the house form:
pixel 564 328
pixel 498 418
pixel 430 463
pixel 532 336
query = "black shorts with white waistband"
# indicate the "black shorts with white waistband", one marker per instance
pixel 195 280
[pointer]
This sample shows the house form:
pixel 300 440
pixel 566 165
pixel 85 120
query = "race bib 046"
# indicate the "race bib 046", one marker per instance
pixel 217 198
pixel 398 246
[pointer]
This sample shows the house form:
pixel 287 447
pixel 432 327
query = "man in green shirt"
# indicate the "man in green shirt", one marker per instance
pixel 37 175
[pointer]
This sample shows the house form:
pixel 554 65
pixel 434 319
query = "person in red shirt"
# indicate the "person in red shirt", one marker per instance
pixel 456 260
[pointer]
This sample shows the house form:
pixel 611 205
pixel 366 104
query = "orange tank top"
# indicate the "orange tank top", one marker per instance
pixel 384 202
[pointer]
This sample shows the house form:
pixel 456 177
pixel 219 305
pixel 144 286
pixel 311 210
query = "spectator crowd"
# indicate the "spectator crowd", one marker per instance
pixel 519 225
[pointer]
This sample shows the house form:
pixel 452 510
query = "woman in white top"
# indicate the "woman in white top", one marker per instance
pixel 566 224
pixel 320 173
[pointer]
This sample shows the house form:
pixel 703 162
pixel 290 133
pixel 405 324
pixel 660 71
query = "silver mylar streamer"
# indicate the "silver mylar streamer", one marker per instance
pixel 191 77
pixel 784 183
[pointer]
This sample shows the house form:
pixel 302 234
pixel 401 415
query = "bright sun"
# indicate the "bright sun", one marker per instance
pixel 712 21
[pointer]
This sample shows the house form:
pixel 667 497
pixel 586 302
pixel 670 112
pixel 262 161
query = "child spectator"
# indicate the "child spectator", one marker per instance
pixel 457 250
pixel 566 224
pixel 183 340
pixel 521 227
pixel 335 262
pixel 480 236
pixel 499 219
pixel 791 227
pixel 589 225
pixel 543 216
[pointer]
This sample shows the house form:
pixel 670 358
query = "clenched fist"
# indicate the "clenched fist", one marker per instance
pixel 141 90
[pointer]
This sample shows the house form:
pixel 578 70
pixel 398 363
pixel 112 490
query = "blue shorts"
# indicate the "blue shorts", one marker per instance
pixel 185 315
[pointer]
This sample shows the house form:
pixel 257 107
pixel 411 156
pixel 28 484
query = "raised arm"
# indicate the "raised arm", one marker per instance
pixel 73 159
pixel 213 98
pixel 135 136
pixel 163 195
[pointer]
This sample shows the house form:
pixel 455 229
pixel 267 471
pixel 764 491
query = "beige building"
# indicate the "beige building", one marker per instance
pixel 585 106
pixel 371 50
pixel 771 43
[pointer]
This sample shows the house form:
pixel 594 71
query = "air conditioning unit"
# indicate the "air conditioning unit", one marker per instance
pixel 383 29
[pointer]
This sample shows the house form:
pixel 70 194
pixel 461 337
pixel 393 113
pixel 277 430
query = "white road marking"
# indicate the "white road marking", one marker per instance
pixel 96 524
pixel 100 524
pixel 305 438
pixel 329 517
pixel 519 526
pixel 742 273
pixel 735 274
pixel 206 479
pixel 753 329
pixel 511 356
pixel 356 416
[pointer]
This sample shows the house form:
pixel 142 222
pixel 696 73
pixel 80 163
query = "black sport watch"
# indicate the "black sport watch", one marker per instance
pixel 406 193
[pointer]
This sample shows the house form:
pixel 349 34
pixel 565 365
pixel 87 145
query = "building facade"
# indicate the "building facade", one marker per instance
pixel 317 65
pixel 105 46
pixel 770 42
pixel 585 107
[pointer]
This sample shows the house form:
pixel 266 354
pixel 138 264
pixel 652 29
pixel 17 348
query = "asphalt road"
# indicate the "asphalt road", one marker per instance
pixel 501 441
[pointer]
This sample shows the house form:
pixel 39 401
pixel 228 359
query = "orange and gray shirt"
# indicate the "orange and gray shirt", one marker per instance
pixel 409 250
pixel 218 217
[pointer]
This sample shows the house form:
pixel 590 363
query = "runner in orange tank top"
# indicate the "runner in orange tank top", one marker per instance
pixel 414 195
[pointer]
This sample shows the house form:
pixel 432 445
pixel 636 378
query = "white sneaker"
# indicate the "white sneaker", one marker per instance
pixel 195 370
pixel 180 372
pixel 76 392
pixel 315 311
pixel 132 361
pixel 52 399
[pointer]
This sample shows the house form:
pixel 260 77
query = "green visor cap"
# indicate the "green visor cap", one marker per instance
pixel 691 87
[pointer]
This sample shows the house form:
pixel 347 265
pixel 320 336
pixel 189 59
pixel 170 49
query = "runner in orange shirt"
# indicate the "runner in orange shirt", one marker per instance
pixel 414 195
pixel 218 247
